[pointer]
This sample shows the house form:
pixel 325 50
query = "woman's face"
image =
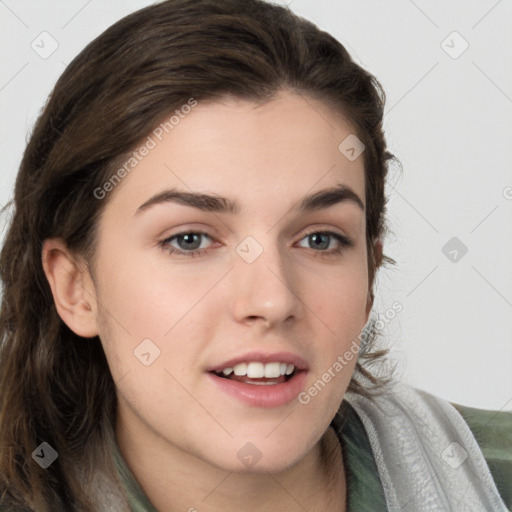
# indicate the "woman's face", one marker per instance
pixel 266 286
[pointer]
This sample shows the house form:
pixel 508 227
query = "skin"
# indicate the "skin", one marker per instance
pixel 178 433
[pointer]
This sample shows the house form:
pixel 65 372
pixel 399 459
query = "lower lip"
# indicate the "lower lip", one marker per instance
pixel 272 395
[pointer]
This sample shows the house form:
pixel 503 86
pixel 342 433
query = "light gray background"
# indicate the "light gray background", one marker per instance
pixel 449 121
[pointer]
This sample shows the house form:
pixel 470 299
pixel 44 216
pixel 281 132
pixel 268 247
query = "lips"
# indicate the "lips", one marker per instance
pixel 260 391
pixel 262 396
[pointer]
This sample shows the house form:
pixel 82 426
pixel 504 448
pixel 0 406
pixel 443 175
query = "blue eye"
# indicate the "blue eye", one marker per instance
pixel 189 243
pixel 318 239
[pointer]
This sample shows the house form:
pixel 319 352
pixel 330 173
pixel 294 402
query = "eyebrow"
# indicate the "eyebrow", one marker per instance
pixel 213 203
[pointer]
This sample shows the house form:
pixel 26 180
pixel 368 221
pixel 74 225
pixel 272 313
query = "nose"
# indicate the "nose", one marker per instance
pixel 264 289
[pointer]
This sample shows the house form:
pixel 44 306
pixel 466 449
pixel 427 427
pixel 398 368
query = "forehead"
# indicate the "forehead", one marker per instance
pixel 286 147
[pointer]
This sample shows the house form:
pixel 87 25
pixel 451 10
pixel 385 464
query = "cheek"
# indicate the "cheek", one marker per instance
pixel 146 299
pixel 145 308
pixel 339 297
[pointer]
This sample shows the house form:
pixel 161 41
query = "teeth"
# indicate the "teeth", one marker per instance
pixel 256 370
pixel 256 383
pixel 240 369
pixel 272 370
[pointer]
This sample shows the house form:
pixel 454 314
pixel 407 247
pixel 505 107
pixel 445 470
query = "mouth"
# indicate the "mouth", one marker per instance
pixel 261 380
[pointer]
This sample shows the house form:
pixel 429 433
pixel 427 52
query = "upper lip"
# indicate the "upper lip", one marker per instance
pixel 275 357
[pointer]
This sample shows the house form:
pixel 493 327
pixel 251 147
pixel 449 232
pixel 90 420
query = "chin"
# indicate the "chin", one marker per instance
pixel 262 456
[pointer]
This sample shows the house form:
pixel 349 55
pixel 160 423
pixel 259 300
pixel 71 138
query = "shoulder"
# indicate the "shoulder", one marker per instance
pixel 493 433
pixel 429 426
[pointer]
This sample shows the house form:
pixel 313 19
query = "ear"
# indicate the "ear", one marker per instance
pixel 377 258
pixel 378 252
pixel 72 288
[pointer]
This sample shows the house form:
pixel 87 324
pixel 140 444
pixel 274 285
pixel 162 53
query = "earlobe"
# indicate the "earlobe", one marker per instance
pixel 72 288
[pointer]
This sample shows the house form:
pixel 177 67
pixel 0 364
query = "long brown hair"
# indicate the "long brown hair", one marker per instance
pixel 55 386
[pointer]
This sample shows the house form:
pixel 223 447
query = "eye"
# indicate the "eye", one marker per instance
pixel 188 243
pixel 321 240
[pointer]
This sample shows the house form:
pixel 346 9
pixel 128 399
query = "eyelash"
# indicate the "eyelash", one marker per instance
pixel 344 243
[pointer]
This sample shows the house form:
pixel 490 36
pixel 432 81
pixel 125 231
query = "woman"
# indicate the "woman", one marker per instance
pixel 188 279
